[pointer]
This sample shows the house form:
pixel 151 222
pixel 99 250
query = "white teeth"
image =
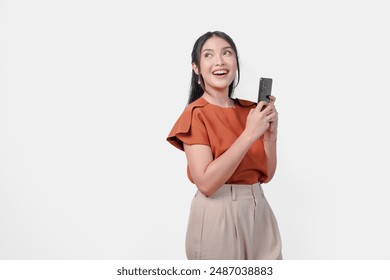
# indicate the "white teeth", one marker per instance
pixel 220 72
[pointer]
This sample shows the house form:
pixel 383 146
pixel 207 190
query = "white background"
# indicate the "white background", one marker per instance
pixel 89 90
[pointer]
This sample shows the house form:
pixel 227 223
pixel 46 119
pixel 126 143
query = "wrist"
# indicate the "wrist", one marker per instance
pixel 270 140
pixel 247 137
pixel 270 137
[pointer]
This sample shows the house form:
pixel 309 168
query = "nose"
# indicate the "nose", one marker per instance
pixel 219 60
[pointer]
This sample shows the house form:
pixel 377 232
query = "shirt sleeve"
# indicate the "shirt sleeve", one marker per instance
pixel 190 129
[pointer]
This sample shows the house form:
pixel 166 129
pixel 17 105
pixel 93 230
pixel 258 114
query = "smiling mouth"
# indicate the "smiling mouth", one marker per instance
pixel 220 72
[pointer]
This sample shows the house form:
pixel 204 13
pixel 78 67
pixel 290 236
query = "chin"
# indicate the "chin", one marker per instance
pixel 222 85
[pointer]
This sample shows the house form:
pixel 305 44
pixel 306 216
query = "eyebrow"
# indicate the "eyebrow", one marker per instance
pixel 224 48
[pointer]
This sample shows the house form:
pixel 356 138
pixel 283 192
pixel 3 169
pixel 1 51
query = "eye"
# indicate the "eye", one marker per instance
pixel 207 55
pixel 227 53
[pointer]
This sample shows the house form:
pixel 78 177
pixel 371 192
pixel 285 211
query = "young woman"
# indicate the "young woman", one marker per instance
pixel 230 145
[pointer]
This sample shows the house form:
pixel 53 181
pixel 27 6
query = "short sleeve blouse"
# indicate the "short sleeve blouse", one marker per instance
pixel 217 127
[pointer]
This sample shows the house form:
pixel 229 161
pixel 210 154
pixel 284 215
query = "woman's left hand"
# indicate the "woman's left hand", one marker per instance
pixel 271 133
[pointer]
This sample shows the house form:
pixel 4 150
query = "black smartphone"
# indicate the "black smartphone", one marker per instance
pixel 265 88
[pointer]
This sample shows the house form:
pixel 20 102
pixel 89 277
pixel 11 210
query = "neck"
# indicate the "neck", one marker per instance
pixel 220 99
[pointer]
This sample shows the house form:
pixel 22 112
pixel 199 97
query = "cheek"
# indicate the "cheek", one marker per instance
pixel 234 64
pixel 204 65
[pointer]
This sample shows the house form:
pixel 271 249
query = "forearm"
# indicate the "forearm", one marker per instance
pixel 221 169
pixel 271 157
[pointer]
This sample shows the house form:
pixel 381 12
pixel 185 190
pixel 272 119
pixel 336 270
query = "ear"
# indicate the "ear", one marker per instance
pixel 195 68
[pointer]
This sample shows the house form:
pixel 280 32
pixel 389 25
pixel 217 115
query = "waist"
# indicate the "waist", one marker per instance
pixel 239 191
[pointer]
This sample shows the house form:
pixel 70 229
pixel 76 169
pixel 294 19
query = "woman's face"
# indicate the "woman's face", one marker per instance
pixel 217 65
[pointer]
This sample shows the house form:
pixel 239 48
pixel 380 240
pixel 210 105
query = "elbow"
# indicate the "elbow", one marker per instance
pixel 206 189
pixel 266 180
pixel 209 185
pixel 269 174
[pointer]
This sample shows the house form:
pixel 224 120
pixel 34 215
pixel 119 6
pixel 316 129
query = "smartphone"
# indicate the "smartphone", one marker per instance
pixel 265 88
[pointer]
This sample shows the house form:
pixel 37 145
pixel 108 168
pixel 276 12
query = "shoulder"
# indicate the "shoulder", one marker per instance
pixel 194 108
pixel 184 122
pixel 245 103
pixel 199 103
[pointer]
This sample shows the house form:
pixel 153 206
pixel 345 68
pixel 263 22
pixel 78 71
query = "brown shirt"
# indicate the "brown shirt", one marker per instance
pixel 208 124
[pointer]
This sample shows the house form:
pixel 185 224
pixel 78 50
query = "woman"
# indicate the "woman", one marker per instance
pixel 230 145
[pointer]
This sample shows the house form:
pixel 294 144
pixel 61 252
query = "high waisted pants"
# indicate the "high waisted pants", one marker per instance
pixel 236 222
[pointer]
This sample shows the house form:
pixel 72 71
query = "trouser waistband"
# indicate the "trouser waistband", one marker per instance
pixel 239 191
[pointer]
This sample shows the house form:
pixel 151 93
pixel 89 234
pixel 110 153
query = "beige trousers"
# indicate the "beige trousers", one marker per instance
pixel 236 223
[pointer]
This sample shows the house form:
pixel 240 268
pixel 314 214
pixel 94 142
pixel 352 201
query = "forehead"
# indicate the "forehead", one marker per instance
pixel 215 43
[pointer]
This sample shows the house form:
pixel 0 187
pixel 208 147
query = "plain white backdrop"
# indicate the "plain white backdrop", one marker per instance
pixel 89 90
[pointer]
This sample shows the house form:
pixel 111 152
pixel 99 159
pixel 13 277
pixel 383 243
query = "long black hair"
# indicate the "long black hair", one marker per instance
pixel 197 83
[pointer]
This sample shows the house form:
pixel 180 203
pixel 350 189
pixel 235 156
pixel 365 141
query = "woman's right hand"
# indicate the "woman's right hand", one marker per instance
pixel 257 121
